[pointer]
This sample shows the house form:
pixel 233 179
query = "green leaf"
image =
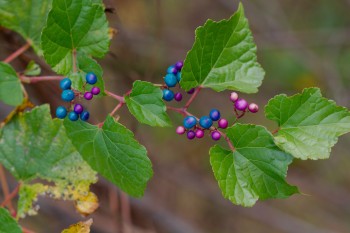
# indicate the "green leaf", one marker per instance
pixel 146 104
pixel 74 28
pixel 255 170
pixel 27 17
pixel 113 152
pixel 10 86
pixel 32 69
pixel 32 145
pixel 7 223
pixel 309 125
pixel 223 57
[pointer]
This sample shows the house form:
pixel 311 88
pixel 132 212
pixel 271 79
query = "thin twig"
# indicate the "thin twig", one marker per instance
pixel 194 95
pixel 8 199
pixel 115 96
pixel 119 106
pixel 26 79
pixel 5 189
pixel 18 52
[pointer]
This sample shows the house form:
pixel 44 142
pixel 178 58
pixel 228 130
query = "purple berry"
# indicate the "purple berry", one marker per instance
pixel 223 123
pixel 178 97
pixel 191 134
pixel 88 95
pixel 191 91
pixel 78 108
pixel 234 96
pixel 179 65
pixel 254 108
pixel 180 130
pixel 241 104
pixel 216 135
pixel 95 91
pixel 171 70
pixel 199 133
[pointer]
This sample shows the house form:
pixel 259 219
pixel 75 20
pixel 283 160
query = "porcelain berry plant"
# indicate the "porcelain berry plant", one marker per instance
pixel 67 152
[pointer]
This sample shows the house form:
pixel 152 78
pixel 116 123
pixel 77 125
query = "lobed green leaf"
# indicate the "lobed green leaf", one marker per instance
pixel 10 86
pixel 309 125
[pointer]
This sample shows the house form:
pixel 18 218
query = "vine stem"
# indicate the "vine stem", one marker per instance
pixel 183 111
pixel 8 199
pixel 194 95
pixel 5 189
pixel 26 79
pixel 18 52
pixel 115 96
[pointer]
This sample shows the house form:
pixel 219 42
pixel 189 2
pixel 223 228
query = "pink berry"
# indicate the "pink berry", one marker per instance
pixel 191 134
pixel 254 108
pixel 241 104
pixel 215 135
pixel 178 97
pixel 88 95
pixel 180 130
pixel 223 123
pixel 95 90
pixel 234 96
pixel 199 133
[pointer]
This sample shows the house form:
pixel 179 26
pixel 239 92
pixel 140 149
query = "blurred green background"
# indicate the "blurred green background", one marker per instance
pixel 300 44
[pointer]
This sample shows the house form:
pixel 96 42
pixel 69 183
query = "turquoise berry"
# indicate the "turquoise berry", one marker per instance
pixel 171 70
pixel 170 80
pixel 168 95
pixel 189 122
pixel 67 95
pixel 61 112
pixel 65 84
pixel 178 76
pixel 215 114
pixel 84 116
pixel 91 78
pixel 73 116
pixel 205 122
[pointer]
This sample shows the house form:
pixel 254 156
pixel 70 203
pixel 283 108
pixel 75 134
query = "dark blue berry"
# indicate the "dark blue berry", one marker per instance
pixel 61 112
pixel 168 95
pixel 178 76
pixel 91 78
pixel 171 70
pixel 67 95
pixel 73 116
pixel 84 116
pixel 215 114
pixel 189 122
pixel 65 84
pixel 170 80
pixel 205 122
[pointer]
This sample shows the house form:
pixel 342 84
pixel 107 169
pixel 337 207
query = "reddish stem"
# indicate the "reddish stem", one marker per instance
pixel 6 190
pixel 26 79
pixel 119 106
pixel 26 230
pixel 194 95
pixel 18 52
pixel 115 96
pixel 10 197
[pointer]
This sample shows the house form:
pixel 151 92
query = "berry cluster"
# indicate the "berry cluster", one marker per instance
pixel 171 79
pixel 68 95
pixel 196 128
pixel 242 105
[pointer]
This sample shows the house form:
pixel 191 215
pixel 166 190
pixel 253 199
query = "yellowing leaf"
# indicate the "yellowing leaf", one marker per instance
pixel 80 227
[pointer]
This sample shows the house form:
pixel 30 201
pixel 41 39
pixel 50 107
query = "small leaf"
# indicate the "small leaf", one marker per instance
pixel 27 17
pixel 255 170
pixel 10 86
pixel 223 57
pixel 309 125
pixel 33 145
pixel 32 69
pixel 113 152
pixel 7 223
pixel 146 104
pixel 74 28
pixel 80 227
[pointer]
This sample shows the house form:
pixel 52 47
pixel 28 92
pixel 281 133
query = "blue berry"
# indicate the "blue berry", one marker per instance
pixel 61 112
pixel 67 95
pixel 65 84
pixel 178 76
pixel 215 114
pixel 91 78
pixel 73 116
pixel 205 122
pixel 170 80
pixel 189 122
pixel 171 70
pixel 84 116
pixel 168 95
